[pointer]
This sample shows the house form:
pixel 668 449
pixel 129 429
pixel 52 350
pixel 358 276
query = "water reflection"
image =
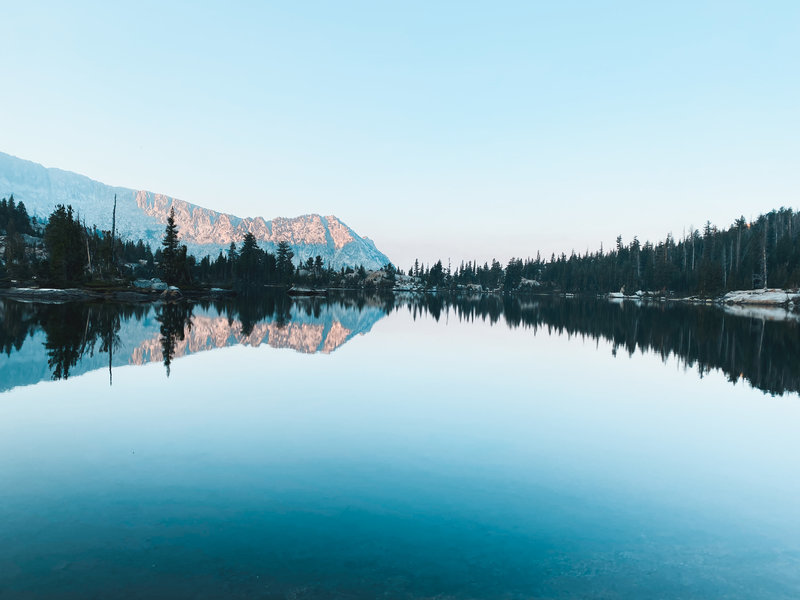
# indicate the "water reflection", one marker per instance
pixel 758 346
pixel 176 321
pixel 56 341
pixel 71 331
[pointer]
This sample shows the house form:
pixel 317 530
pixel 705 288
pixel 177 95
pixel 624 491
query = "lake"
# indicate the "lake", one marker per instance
pixel 405 447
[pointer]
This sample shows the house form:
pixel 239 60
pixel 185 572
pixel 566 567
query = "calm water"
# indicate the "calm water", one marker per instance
pixel 365 448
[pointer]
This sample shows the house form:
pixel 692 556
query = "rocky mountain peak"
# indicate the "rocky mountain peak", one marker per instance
pixel 142 215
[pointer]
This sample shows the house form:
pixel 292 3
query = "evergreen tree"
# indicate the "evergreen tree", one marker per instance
pixel 64 238
pixel 513 274
pixel 170 267
pixel 285 267
pixel 436 275
pixel 250 259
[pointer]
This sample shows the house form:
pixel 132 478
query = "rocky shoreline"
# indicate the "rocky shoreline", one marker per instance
pixel 59 295
pixel 776 298
pixel 766 298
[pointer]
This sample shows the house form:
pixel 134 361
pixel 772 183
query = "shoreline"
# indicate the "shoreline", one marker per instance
pixel 766 298
pixel 769 297
pixel 61 295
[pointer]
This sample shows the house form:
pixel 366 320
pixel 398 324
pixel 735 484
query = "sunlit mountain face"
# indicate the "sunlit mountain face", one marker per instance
pixel 143 215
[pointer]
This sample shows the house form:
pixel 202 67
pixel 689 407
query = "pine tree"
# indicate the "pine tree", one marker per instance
pixel 284 264
pixel 64 240
pixel 250 258
pixel 169 250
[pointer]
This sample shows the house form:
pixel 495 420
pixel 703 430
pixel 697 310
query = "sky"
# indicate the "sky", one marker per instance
pixel 453 130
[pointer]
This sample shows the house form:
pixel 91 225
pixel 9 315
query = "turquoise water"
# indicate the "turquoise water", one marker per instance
pixel 400 450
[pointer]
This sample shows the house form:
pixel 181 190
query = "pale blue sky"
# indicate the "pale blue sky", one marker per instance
pixel 452 129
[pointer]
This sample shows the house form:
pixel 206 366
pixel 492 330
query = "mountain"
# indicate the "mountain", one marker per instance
pixel 143 215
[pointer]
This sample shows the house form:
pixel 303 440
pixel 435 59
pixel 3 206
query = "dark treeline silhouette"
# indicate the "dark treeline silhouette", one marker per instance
pixel 14 217
pixel 249 266
pixel 15 227
pixel 64 252
pixel 760 351
pixel 757 254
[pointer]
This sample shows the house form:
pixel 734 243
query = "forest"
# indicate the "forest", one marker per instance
pixel 62 251
pixel 746 255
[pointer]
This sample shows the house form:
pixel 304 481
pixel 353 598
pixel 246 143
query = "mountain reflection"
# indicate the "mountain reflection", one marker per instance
pixel 56 341
pixel 182 333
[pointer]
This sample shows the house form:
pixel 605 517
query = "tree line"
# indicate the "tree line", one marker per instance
pixel 249 266
pixel 63 251
pixel 761 253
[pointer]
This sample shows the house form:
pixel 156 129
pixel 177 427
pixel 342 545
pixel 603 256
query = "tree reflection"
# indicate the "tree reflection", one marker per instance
pixel 18 321
pixel 75 330
pixel 72 330
pixel 176 320
pixel 763 351
pixel 66 337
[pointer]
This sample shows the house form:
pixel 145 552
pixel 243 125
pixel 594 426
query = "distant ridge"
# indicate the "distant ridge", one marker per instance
pixel 142 215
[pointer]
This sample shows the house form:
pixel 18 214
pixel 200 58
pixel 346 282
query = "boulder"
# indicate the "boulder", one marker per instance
pixel 171 293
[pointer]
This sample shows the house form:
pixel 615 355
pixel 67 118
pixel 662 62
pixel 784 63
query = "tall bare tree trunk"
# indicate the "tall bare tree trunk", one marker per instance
pixel 724 269
pixel 110 354
pixel 88 254
pixel 684 250
pixel 738 247
pixel 113 231
pixel 764 259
